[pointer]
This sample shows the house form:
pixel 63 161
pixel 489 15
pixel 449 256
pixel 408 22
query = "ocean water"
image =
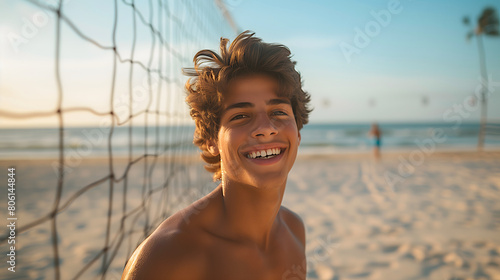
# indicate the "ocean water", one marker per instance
pixel 394 136
pixel 322 138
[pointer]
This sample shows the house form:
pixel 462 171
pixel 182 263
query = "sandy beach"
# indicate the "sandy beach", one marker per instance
pixel 440 222
pixel 435 216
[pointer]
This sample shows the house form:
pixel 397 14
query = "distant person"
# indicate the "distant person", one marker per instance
pixel 376 135
pixel 248 107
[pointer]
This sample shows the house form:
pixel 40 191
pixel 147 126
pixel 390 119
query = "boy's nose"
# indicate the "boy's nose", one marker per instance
pixel 264 127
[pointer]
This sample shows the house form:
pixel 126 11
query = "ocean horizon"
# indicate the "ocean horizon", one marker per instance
pixel 26 143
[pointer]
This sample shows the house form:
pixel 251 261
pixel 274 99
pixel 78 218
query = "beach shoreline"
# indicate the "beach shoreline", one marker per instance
pixel 307 152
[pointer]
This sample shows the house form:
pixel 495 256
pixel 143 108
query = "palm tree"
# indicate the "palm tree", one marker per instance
pixel 487 25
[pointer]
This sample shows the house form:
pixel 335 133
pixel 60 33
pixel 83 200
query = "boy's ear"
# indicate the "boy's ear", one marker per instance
pixel 300 137
pixel 212 148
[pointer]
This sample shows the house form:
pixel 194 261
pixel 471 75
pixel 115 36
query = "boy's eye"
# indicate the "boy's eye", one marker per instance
pixel 237 117
pixel 280 113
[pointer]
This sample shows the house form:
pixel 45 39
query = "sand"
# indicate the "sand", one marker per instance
pixel 442 221
pixel 436 216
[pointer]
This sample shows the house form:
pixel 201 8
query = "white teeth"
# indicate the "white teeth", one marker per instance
pixel 265 153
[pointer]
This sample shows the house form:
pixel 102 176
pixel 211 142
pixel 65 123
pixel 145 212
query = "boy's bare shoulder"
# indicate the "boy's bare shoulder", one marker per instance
pixel 175 250
pixel 166 255
pixel 295 223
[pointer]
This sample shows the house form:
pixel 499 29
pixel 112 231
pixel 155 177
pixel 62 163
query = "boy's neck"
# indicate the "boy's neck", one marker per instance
pixel 250 212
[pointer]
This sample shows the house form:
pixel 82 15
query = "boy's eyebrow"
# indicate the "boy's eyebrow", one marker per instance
pixel 239 105
pixel 275 101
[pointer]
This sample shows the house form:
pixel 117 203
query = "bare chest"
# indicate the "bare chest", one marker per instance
pixel 285 259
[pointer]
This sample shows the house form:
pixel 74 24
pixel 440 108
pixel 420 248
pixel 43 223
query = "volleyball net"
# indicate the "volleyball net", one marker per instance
pixel 104 79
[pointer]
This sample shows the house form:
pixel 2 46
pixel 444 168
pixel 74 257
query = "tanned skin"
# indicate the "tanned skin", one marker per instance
pixel 239 230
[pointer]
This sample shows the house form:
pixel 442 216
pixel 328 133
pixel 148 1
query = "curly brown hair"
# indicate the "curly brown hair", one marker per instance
pixel 212 73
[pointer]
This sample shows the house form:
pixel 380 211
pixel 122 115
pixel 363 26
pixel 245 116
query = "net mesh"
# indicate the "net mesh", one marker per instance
pixel 82 216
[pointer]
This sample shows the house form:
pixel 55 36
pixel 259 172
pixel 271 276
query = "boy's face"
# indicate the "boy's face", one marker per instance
pixel 258 137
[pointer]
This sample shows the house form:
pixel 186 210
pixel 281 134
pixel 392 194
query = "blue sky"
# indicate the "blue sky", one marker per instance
pixel 415 65
pixel 421 53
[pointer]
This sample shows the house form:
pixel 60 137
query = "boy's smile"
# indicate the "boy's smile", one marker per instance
pixel 266 156
pixel 258 136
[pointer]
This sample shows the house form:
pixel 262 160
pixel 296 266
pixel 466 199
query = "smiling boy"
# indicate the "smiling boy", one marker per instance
pixel 248 106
